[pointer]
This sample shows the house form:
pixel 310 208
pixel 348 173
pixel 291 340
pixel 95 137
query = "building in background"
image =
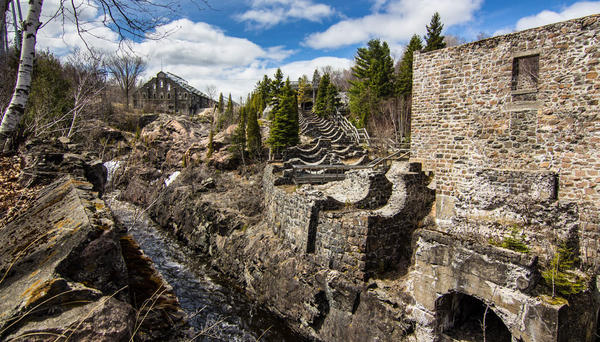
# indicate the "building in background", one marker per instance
pixel 170 93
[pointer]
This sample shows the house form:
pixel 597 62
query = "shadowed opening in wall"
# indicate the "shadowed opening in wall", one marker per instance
pixel 465 318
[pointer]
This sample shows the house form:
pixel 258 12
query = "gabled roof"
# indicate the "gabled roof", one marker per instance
pixel 184 84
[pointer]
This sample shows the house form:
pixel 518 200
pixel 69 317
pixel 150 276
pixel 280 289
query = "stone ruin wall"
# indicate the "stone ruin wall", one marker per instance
pixel 505 154
pixel 359 235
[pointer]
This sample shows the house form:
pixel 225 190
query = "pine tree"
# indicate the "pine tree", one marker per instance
pixel 275 92
pixel 264 90
pixel 238 140
pixel 210 144
pixel 405 70
pixel 277 83
pixel 374 73
pixel 434 39
pixel 284 128
pixel 229 109
pixel 316 79
pixel 221 105
pixel 304 90
pixel 253 136
pixel 331 100
pixel 320 107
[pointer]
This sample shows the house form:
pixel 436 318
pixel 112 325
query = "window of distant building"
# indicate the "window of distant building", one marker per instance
pixel 161 83
pixel 185 95
pixel 168 86
pixel 154 86
pixel 169 96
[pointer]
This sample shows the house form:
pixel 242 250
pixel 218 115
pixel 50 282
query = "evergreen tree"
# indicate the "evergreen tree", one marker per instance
pixel 284 127
pixel 229 109
pixel 331 100
pixel 225 118
pixel 277 83
pixel 374 73
pixel 375 68
pixel 238 140
pixel 304 90
pixel 316 79
pixel 320 107
pixel 434 39
pixel 276 89
pixel 210 144
pixel 221 105
pixel 405 70
pixel 264 91
pixel 253 135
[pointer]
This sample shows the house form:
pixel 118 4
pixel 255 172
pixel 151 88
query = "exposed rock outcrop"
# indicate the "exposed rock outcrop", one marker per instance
pixel 64 274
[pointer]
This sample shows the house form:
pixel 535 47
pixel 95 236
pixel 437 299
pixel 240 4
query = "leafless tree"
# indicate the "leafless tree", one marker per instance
pixel 125 68
pixel 451 40
pixel 89 79
pixel 211 91
pixel 128 18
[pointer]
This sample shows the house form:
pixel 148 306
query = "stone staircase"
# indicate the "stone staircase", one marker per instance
pixel 336 147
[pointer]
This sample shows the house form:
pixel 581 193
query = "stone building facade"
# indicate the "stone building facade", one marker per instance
pixel 169 93
pixel 509 129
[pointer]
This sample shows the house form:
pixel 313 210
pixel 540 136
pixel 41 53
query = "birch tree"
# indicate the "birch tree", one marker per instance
pixel 16 108
pixel 128 18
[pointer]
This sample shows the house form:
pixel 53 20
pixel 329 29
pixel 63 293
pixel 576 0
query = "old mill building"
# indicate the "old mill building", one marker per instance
pixel 170 93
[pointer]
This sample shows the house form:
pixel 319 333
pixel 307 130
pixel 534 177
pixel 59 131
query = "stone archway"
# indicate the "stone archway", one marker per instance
pixel 460 317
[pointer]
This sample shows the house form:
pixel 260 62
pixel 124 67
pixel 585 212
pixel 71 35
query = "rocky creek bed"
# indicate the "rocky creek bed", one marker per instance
pixel 215 309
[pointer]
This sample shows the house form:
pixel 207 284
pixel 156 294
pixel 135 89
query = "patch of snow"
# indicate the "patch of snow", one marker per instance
pixel 172 178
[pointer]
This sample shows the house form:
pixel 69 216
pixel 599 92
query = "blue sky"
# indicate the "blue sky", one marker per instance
pixel 232 44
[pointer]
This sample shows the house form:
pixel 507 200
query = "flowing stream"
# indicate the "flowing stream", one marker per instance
pixel 212 306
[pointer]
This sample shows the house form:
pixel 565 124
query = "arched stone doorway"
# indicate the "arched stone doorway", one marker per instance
pixel 460 317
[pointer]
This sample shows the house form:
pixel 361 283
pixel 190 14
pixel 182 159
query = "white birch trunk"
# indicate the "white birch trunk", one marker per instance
pixel 16 108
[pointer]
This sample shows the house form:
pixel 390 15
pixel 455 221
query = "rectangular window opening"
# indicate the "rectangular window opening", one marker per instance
pixel 525 73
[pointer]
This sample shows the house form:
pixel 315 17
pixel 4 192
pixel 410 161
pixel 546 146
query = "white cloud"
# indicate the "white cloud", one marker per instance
pixel 202 54
pixel 268 13
pixel 397 22
pixel 576 10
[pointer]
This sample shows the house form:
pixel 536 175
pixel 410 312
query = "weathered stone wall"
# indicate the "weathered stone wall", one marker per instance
pixel 362 233
pixel 473 122
pixel 500 278
pixel 287 212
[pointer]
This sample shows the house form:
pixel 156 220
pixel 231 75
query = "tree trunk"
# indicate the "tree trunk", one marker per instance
pixel 16 108
pixel 3 38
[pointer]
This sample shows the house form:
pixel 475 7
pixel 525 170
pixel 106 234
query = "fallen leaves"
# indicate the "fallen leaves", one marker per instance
pixel 14 198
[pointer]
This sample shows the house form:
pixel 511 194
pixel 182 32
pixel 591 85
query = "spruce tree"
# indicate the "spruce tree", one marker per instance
pixel 284 127
pixel 316 79
pixel 277 83
pixel 434 39
pixel 275 92
pixel 320 107
pixel 405 70
pixel 253 135
pixel 331 100
pixel 304 90
pixel 210 144
pixel 221 105
pixel 264 91
pixel 374 80
pixel 229 109
pixel 238 140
